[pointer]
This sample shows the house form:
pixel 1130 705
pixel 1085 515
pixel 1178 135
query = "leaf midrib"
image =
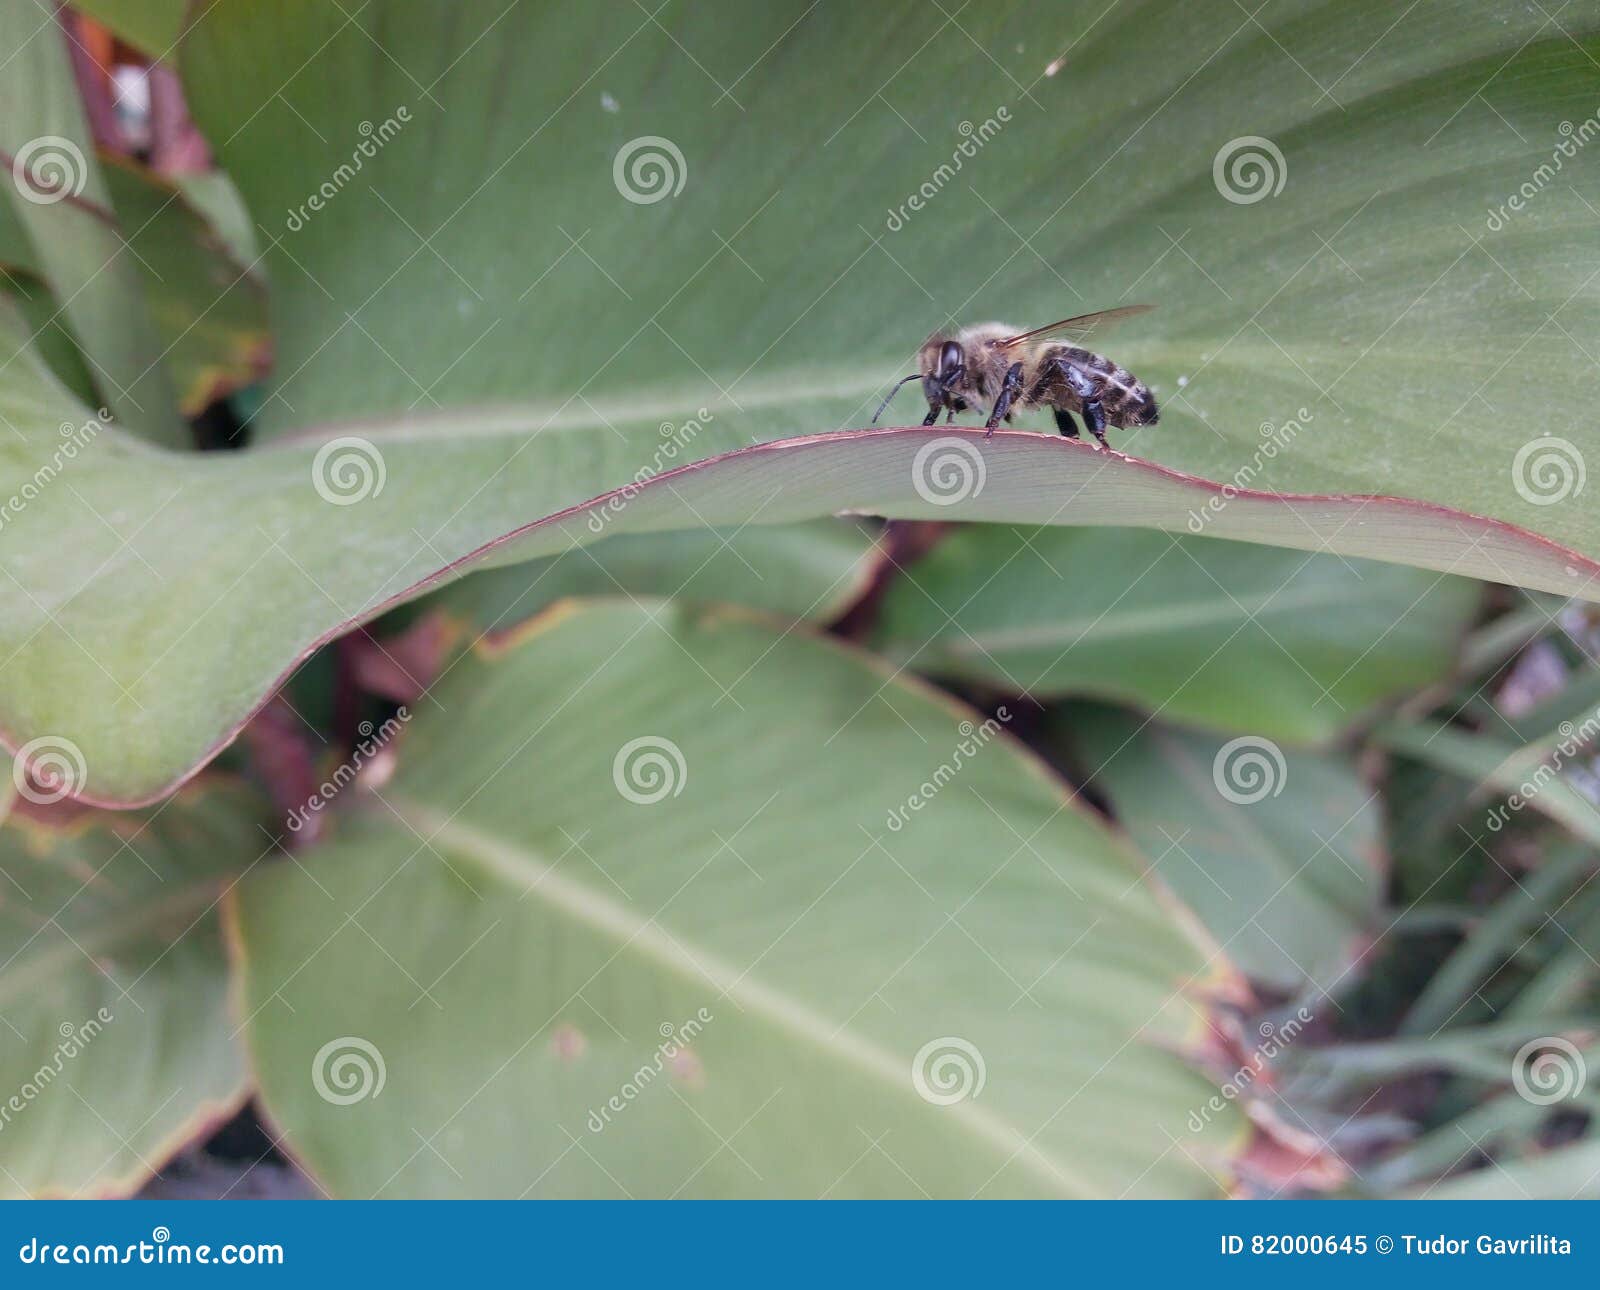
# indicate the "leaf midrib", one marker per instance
pixel 537 877
pixel 1165 619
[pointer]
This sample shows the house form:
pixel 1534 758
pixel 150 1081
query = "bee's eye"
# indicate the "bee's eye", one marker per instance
pixel 949 357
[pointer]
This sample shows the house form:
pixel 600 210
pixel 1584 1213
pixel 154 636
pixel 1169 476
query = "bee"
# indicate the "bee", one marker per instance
pixel 1032 369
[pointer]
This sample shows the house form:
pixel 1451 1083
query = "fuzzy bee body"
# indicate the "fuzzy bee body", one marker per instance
pixel 993 364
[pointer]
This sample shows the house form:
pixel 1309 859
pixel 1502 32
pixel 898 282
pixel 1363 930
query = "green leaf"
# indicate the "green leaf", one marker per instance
pixel 685 831
pixel 118 1043
pixel 1522 774
pixel 209 308
pixel 1280 854
pixel 222 571
pixel 812 571
pixel 150 26
pixel 499 238
pixel 1232 637
pixel 1566 1173
pixel 62 201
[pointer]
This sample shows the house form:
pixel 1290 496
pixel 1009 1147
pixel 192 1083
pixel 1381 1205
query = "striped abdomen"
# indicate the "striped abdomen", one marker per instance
pixel 1127 401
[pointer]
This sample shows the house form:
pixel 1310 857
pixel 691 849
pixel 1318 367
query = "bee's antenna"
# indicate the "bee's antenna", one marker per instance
pixel 914 376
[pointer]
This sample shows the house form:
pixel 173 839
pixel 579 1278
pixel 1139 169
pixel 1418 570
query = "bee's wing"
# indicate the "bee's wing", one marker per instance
pixel 1079 328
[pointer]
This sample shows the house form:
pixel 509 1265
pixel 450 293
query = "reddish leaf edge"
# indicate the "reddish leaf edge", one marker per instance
pixel 1581 574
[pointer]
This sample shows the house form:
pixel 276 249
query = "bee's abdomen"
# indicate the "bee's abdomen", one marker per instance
pixel 1126 399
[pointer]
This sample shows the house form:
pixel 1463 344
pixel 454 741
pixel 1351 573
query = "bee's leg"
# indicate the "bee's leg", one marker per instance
pixel 948 401
pixel 1094 416
pixel 1065 423
pixel 1087 394
pixel 1002 404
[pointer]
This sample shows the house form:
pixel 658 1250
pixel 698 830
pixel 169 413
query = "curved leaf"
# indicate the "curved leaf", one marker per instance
pixel 729 896
pixel 117 1048
pixel 222 571
pixel 500 237
pixel 61 200
pixel 1250 639
pixel 1280 854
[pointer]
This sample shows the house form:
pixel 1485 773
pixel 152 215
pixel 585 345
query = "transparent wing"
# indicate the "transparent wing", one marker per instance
pixel 1079 328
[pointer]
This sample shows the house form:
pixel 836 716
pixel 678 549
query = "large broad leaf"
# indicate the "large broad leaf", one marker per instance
pixel 60 199
pixel 484 250
pixel 116 1045
pixel 813 571
pixel 204 298
pixel 151 606
pixel 500 202
pixel 1245 638
pixel 1280 854
pixel 685 835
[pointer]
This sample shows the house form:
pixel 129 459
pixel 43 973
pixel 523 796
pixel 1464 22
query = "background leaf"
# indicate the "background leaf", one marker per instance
pixel 755 889
pixel 117 1047
pixel 1233 637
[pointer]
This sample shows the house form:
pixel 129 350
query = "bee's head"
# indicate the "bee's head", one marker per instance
pixel 938 358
